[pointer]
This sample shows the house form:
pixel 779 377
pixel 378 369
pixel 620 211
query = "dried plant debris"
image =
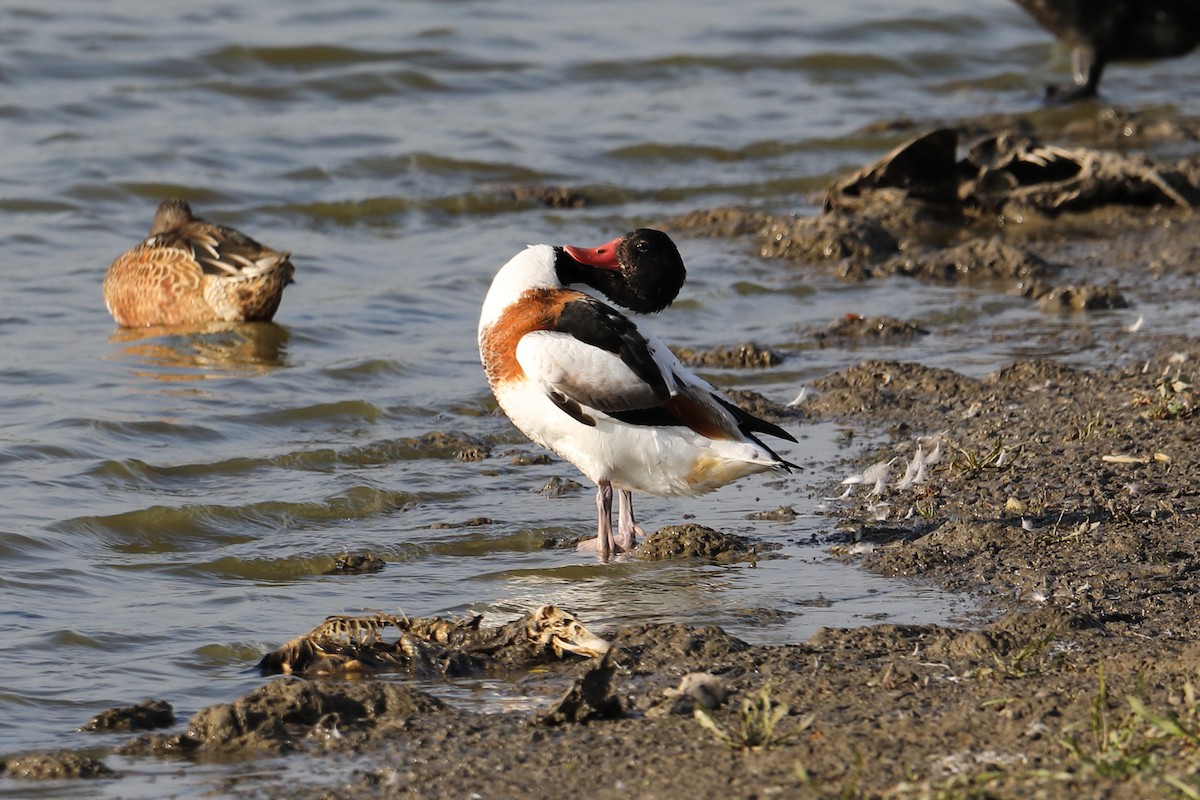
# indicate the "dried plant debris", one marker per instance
pixel 430 646
pixel 1008 171
pixel 1015 169
pixel 922 169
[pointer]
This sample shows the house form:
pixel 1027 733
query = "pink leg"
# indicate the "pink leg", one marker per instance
pixel 628 530
pixel 604 544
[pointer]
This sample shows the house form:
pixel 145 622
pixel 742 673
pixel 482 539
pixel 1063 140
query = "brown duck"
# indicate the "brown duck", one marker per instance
pixel 191 271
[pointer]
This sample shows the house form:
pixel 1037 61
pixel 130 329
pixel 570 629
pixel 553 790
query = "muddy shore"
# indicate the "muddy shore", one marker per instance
pixel 1065 498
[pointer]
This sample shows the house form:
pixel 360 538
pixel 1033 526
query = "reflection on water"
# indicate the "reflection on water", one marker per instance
pixel 210 350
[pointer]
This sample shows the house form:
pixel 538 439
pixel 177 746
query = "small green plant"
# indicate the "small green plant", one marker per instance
pixel 1173 398
pixel 1085 427
pixel 1030 660
pixel 926 510
pixel 972 462
pixel 986 785
pixel 1141 740
pixel 757 720
pixel 1116 749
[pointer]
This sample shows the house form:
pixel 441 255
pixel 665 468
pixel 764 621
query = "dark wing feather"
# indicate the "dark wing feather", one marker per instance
pixel 600 325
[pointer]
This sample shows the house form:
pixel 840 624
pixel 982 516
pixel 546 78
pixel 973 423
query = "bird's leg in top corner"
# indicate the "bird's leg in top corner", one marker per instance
pixel 1087 68
pixel 604 544
pixel 628 531
pixel 1077 59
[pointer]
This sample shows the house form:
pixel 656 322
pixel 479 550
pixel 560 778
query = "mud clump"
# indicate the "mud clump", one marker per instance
pixel 592 697
pixel 781 514
pixel 672 647
pixel 699 542
pixel 830 238
pixel 473 522
pixel 56 766
pixel 355 564
pixel 837 238
pixel 1119 127
pixel 976 260
pixel 855 327
pixel 721 222
pixel 282 715
pixel 530 459
pixel 543 196
pixel 738 356
pixel 145 716
pixel 924 168
pixel 912 389
pixel 1077 298
pixel 457 446
pixel 763 407
pixel 560 487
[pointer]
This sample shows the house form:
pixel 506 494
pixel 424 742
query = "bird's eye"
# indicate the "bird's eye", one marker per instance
pixel 642 246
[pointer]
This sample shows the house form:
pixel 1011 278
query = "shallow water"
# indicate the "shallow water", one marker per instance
pixel 171 500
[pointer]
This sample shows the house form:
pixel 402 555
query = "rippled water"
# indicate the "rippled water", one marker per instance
pixel 170 501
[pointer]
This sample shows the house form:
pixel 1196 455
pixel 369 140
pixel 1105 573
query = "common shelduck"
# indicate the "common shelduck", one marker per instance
pixel 192 271
pixel 578 377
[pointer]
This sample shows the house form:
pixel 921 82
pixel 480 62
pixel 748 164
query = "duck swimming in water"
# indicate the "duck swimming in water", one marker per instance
pixel 580 378
pixel 191 271
pixel 1100 31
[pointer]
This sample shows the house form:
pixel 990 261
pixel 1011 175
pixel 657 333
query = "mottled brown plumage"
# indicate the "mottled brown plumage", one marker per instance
pixel 191 271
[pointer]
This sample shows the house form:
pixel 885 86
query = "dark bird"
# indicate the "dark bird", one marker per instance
pixel 1100 31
